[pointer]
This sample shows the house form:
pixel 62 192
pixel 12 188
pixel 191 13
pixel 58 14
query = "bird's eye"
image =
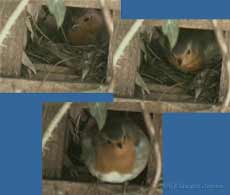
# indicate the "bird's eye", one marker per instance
pixel 179 60
pixel 86 19
pixel 119 145
pixel 188 51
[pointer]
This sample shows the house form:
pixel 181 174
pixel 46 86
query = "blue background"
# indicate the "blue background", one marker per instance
pixel 196 151
pixel 20 138
pixel 196 146
pixel 169 9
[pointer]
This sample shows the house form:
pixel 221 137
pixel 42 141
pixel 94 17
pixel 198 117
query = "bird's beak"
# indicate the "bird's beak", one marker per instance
pixel 75 26
pixel 172 59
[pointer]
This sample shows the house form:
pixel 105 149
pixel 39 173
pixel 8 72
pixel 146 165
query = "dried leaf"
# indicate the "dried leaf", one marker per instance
pixel 99 112
pixel 33 9
pixel 85 72
pixel 171 30
pixel 25 39
pixel 58 9
pixel 141 83
pixel 27 62
pixel 29 27
pixel 197 93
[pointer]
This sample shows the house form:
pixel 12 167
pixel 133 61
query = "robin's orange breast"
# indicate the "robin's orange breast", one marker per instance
pixel 81 37
pixel 111 158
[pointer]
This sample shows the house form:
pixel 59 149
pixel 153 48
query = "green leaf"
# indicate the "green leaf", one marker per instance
pixel 99 112
pixel 171 30
pixel 58 9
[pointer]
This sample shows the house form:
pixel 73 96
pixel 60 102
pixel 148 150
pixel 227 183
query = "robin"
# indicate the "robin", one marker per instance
pixel 194 49
pixel 118 153
pixel 87 29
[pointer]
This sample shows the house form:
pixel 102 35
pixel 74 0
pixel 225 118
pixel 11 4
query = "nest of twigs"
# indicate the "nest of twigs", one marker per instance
pixel 202 86
pixel 79 63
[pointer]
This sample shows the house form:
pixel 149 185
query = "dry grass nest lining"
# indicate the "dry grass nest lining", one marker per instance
pixel 203 86
pixel 87 62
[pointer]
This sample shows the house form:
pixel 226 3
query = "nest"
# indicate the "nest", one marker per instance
pixel 201 87
pixel 52 49
pixel 74 167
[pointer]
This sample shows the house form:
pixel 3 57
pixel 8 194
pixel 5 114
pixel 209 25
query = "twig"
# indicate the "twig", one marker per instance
pixel 40 31
pixel 107 17
pixel 220 38
pixel 120 50
pixel 227 98
pixel 128 37
pixel 152 133
pixel 225 53
pixel 170 88
pixel 10 22
pixel 53 124
pixel 53 68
